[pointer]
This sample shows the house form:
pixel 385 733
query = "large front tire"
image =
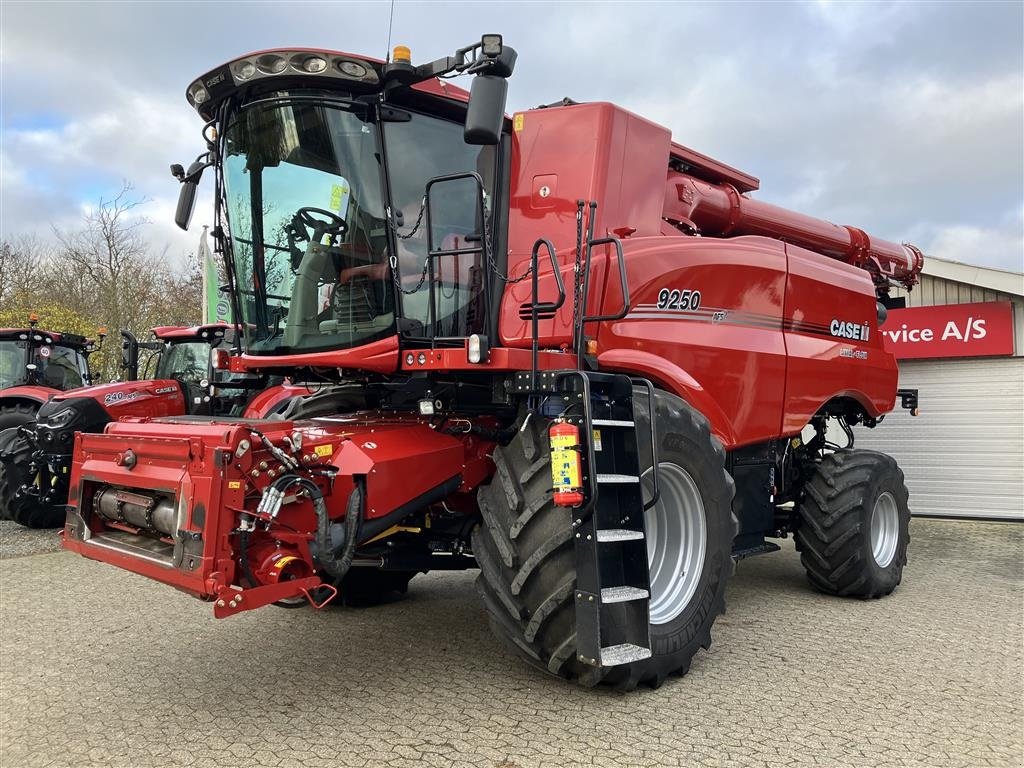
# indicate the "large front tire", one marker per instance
pixel 527 562
pixel 16 475
pixel 855 525
pixel 15 455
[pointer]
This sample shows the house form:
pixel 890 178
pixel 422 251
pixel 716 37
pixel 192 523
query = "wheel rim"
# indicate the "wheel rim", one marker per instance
pixel 676 542
pixel 885 529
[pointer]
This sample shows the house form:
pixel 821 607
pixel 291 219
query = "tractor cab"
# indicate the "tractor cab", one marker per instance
pixel 184 355
pixel 39 358
pixel 361 201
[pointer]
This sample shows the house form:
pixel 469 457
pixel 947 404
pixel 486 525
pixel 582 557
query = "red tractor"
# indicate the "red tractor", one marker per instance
pixel 589 364
pixel 35 364
pixel 35 453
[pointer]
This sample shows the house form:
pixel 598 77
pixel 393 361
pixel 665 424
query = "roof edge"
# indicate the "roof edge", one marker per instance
pixel 1001 280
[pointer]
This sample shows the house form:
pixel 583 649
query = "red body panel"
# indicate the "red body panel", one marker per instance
pixel 380 356
pixel 32 392
pixel 265 402
pixel 195 332
pixel 160 397
pixel 201 466
pixel 758 357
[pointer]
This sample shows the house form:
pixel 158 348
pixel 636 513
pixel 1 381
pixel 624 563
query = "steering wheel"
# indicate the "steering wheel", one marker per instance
pixel 314 219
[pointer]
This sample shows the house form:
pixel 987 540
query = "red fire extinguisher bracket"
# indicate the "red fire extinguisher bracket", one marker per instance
pixel 566 465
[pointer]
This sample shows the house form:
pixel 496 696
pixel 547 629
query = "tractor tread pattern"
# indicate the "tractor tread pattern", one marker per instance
pixel 529 606
pixel 834 521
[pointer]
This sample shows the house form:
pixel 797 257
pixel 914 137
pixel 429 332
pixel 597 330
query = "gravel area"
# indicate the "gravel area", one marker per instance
pixel 17 541
pixel 101 667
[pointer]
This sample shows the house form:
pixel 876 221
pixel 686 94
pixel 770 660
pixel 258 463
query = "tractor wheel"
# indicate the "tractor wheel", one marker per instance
pixel 15 454
pixel 855 525
pixel 365 587
pixel 15 473
pixel 527 562
pixel 16 414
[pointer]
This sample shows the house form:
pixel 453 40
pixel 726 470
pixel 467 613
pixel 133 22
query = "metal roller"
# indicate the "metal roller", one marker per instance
pixel 153 513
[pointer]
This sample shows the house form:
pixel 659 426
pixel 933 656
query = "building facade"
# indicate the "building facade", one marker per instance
pixel 960 342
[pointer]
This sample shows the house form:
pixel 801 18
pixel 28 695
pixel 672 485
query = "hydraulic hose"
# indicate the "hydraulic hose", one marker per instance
pixel 335 565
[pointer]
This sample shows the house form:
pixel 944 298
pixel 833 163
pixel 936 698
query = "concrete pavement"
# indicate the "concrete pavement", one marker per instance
pixel 101 667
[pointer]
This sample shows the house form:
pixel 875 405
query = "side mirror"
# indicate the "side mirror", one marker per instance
pixel 130 355
pixel 486 110
pixel 189 184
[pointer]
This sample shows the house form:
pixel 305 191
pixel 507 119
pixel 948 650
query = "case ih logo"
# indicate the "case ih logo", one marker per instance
pixel 845 330
pixel 950 330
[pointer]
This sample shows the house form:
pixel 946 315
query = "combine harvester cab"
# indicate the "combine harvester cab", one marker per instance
pixel 557 347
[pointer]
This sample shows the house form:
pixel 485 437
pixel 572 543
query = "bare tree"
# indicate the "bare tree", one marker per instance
pixel 22 261
pixel 106 270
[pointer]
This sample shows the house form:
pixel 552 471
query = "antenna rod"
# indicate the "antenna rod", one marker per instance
pixel 391 21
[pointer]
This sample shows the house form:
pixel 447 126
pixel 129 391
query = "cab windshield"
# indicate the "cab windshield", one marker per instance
pixel 12 363
pixel 188 361
pixel 303 196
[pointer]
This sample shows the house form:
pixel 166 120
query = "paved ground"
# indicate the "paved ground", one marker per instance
pixel 99 667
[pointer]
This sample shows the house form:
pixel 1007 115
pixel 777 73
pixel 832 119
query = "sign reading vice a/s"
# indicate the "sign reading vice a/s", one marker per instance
pixel 950 330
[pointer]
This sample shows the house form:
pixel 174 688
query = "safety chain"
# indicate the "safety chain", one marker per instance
pixel 494 267
pixel 415 226
pixel 577 285
pixel 397 279
pixel 393 261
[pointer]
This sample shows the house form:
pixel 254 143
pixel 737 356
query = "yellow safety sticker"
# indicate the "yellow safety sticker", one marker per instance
pixel 338 193
pixel 517 122
pixel 284 561
pixel 597 440
pixel 324 450
pixel 234 485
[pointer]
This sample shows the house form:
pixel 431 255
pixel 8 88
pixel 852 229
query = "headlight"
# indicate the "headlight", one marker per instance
pixel 61 418
pixel 271 63
pixel 352 69
pixel 314 64
pixel 245 70
pixel 199 94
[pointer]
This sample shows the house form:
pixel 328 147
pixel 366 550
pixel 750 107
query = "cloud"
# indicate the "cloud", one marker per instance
pixel 998 246
pixel 904 119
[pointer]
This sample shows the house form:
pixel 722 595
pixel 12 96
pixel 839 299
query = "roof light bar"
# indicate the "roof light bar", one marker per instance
pixel 221 82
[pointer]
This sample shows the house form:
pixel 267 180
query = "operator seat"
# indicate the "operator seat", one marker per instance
pixel 359 299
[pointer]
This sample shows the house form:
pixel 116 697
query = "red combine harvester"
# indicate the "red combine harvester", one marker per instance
pixel 589 364
pixel 35 453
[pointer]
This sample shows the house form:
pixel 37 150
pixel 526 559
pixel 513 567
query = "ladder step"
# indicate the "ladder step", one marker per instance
pixel 619 534
pixel 612 423
pixel 625 653
pixel 618 479
pixel 623 594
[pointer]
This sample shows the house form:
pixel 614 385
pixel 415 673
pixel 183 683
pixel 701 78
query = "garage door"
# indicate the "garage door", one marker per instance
pixel 964 455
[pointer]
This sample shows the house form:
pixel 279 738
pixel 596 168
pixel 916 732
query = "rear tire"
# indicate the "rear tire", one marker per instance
pixel 855 525
pixel 527 562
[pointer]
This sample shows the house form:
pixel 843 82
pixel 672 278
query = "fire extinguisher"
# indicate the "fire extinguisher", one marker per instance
pixel 566 466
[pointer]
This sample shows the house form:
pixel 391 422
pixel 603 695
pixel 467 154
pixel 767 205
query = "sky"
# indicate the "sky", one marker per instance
pixel 904 119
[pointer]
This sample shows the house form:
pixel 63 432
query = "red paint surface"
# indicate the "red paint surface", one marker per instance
pixel 950 330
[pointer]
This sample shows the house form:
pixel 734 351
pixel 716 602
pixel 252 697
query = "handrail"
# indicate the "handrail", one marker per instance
pixel 584 317
pixel 536 306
